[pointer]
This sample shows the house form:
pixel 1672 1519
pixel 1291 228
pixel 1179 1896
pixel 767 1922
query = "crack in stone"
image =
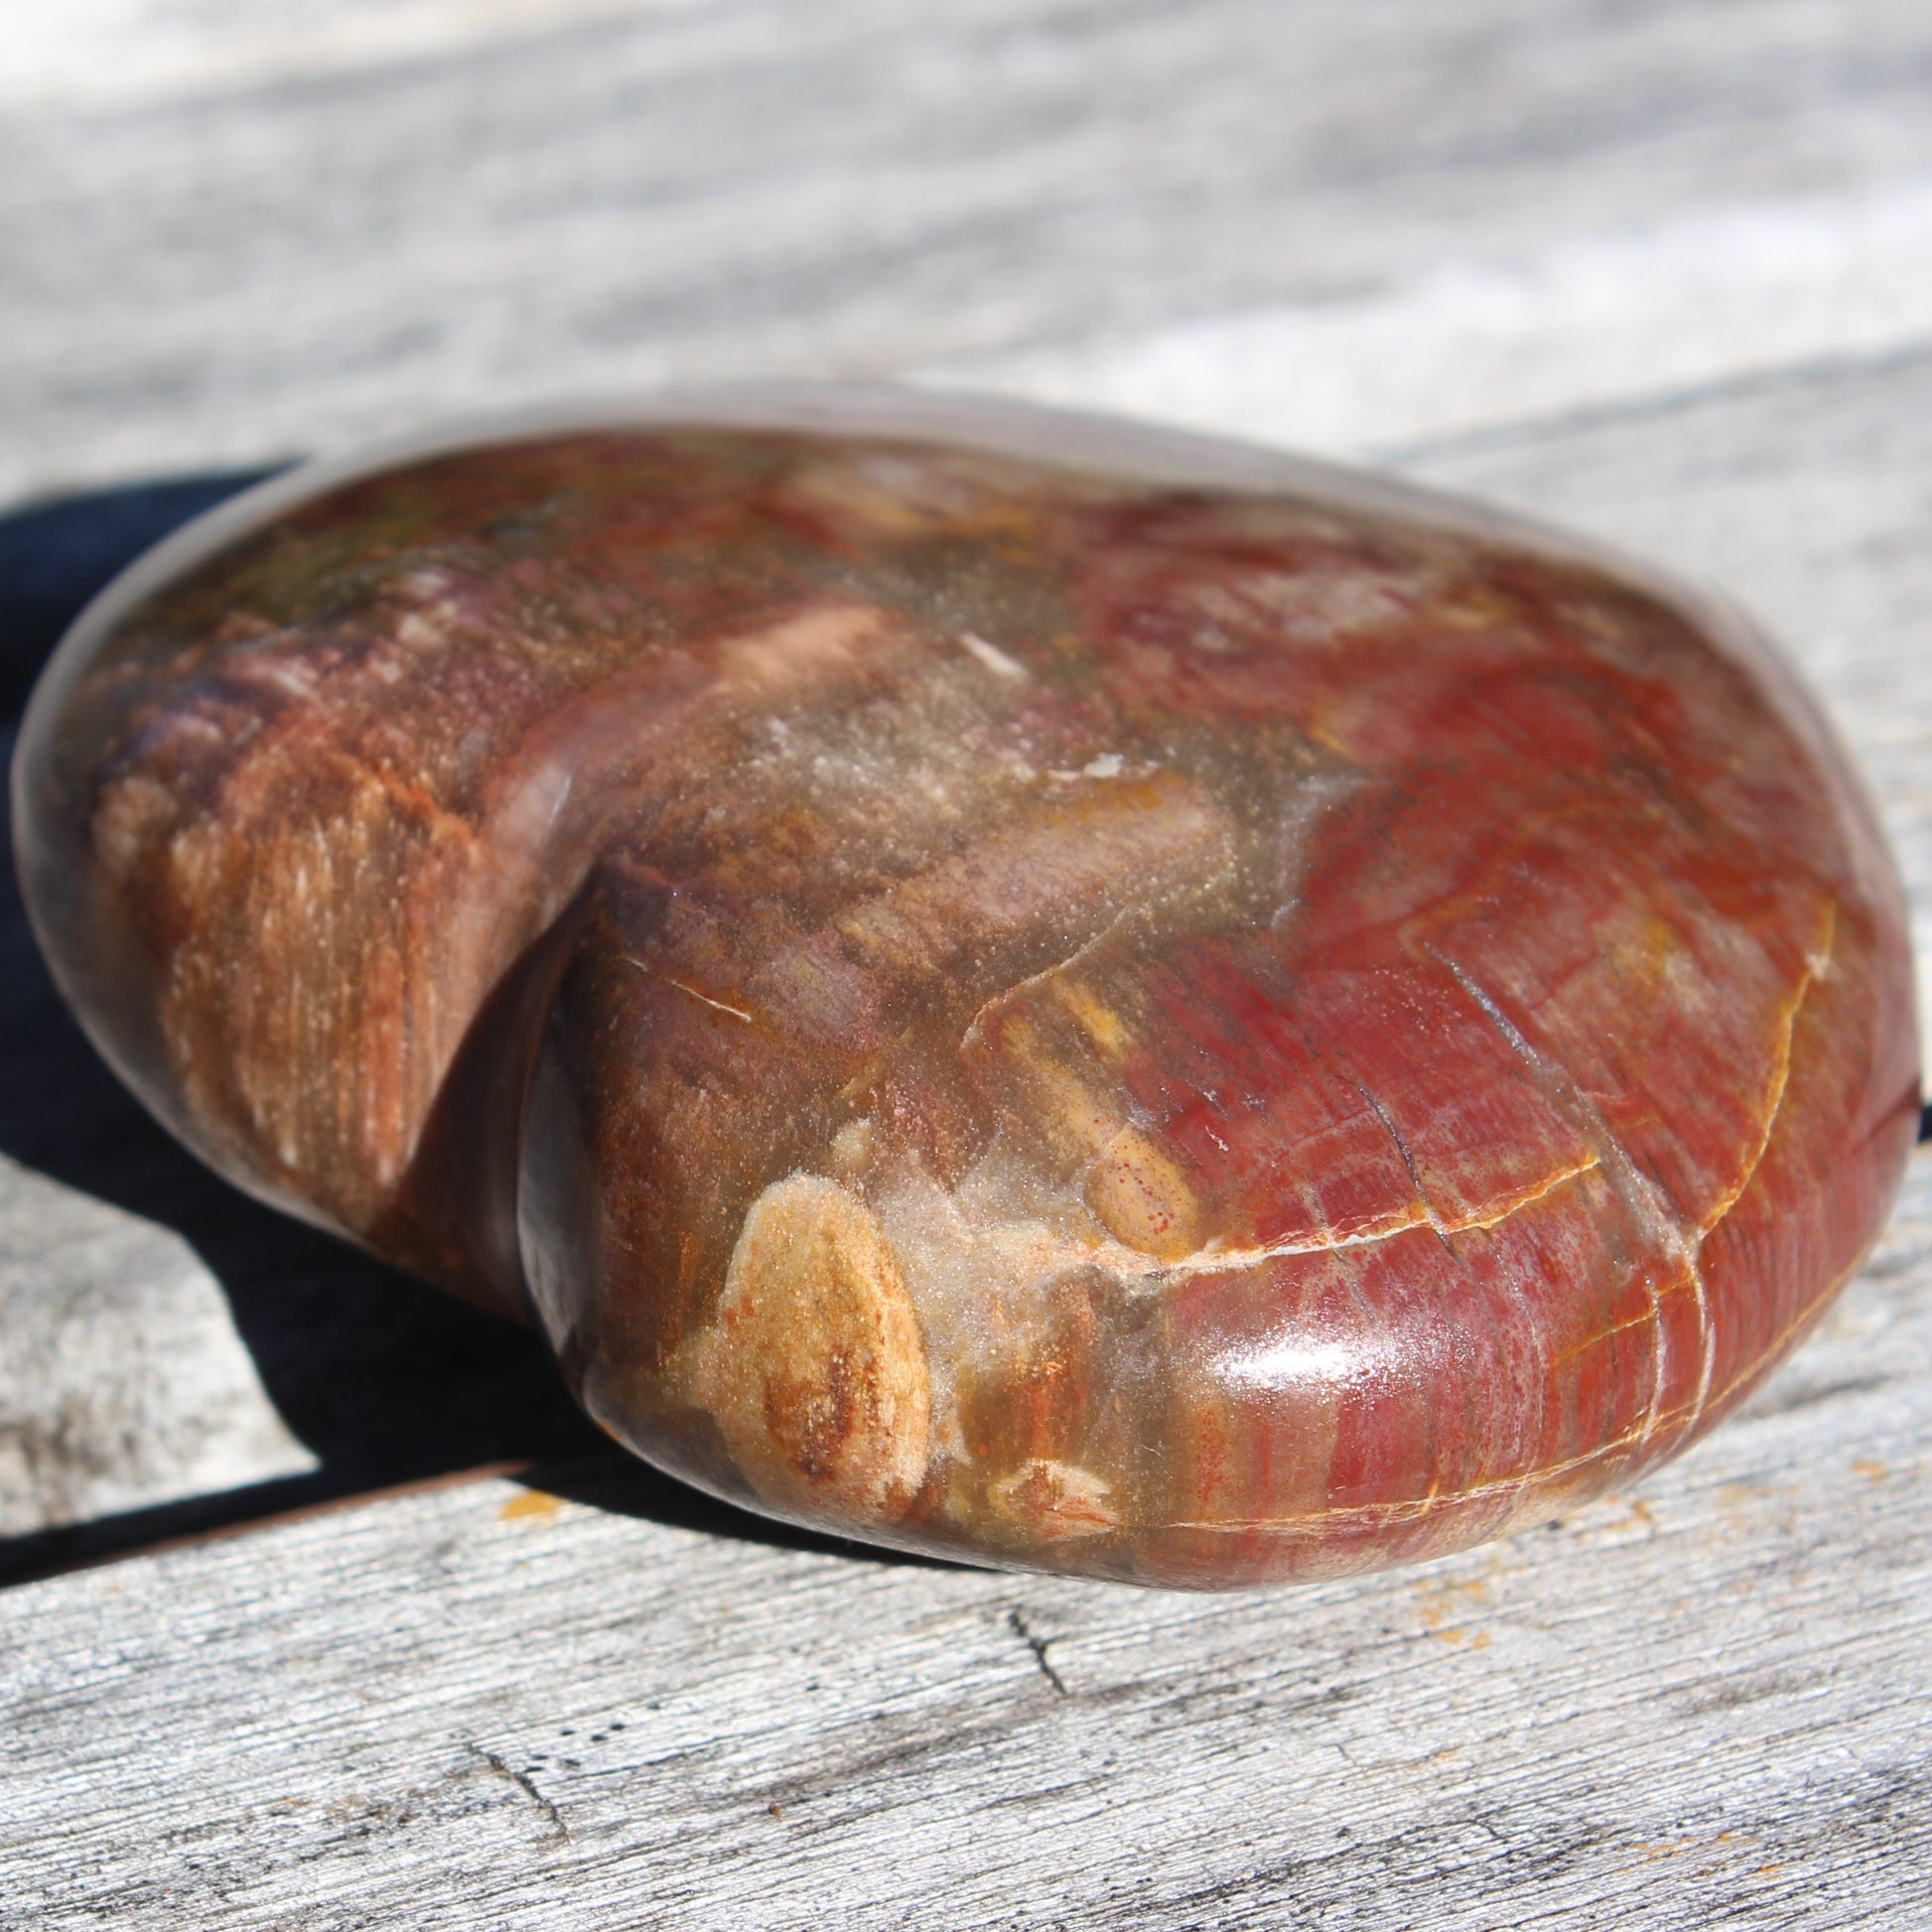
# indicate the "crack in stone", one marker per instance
pixel 1534 1328
pixel 1372 1101
pixel 723 1006
pixel 1817 964
pixel 1209 1260
pixel 1410 1509
pixel 1130 1267
pixel 1633 1186
pixel 972 1030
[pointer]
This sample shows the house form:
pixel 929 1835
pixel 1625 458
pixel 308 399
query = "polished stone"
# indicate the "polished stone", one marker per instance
pixel 996 983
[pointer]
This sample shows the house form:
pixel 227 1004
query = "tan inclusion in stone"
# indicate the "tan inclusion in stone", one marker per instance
pixel 812 1365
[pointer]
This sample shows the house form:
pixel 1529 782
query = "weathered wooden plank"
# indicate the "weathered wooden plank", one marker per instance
pixel 1706 1701
pixel 488 1707
pixel 234 239
pixel 1658 271
pixel 1496 341
pixel 89 1426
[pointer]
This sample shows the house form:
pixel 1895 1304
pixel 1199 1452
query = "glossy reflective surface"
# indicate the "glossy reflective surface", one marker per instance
pixel 998 984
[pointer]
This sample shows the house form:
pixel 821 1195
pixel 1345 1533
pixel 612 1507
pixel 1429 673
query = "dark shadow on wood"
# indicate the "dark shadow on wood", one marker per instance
pixel 54 556
pixel 602 1478
pixel 386 1381
pixel 620 1484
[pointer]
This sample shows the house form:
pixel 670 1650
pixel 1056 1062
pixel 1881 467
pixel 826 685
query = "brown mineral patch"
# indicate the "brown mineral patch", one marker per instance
pixel 1055 1500
pixel 814 1368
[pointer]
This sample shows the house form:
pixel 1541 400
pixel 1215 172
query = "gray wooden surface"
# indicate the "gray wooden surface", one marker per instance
pixel 1660 271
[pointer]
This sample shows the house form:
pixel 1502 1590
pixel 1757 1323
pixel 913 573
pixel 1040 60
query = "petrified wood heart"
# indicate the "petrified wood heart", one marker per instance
pixel 1065 996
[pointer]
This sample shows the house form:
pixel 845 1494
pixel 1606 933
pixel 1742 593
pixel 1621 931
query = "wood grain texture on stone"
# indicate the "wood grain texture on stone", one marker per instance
pixel 1079 998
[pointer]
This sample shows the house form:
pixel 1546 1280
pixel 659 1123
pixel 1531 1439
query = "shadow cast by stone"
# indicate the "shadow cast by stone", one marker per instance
pixel 55 555
pixel 386 1381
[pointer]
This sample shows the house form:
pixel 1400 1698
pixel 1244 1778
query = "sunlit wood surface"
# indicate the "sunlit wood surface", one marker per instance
pixel 1663 272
